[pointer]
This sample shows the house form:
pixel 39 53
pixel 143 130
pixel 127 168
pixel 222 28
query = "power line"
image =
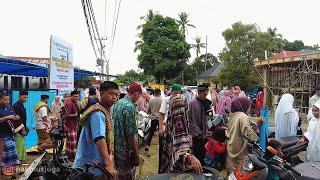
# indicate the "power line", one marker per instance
pixel 115 28
pixel 92 26
pixel 105 18
pixel 113 20
pixel 88 26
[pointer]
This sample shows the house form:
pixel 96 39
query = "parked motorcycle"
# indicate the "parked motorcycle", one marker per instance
pixel 143 124
pixel 208 174
pixel 257 166
pixel 58 167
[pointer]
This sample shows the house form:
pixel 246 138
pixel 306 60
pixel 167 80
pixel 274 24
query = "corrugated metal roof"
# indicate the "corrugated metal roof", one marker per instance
pixel 285 54
pixel 212 72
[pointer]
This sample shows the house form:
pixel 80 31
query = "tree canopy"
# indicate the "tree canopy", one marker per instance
pixel 244 43
pixel 132 76
pixel 163 49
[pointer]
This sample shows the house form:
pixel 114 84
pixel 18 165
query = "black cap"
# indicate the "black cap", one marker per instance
pixel 203 87
pixel 92 91
pixel 44 96
pixel 74 92
pixel 23 93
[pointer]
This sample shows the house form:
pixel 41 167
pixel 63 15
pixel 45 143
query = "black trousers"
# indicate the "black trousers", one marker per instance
pixel 160 152
pixel 152 130
pixel 198 148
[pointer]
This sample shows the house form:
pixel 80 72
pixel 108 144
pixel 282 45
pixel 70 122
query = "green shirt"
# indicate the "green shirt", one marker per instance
pixel 124 126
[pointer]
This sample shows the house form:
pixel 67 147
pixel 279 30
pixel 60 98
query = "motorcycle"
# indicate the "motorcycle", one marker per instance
pixel 257 166
pixel 208 173
pixel 143 124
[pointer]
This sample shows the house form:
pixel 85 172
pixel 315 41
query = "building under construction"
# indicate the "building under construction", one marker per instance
pixel 292 72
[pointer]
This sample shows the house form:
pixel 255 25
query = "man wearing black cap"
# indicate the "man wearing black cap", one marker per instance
pixel 198 121
pixel 21 111
pixel 43 123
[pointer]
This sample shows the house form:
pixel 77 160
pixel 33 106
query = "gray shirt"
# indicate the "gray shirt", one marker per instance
pixel 155 104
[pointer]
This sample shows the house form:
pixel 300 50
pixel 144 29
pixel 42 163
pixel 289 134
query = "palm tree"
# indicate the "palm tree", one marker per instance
pixel 273 32
pixel 184 23
pixel 276 38
pixel 138 45
pixel 198 45
pixel 146 18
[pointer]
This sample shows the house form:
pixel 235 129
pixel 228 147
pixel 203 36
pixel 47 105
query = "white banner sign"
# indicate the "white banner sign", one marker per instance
pixel 61 75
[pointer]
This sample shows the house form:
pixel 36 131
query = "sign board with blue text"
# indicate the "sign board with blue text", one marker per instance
pixel 61 75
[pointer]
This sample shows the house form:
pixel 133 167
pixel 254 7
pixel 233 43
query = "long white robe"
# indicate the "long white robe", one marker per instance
pixel 313 136
pixel 286 117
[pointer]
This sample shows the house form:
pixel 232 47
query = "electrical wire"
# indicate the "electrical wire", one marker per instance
pixel 115 27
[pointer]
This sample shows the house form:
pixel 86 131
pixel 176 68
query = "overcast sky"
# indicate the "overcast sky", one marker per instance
pixel 26 25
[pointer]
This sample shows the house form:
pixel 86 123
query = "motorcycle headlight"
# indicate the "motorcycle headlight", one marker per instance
pixel 247 164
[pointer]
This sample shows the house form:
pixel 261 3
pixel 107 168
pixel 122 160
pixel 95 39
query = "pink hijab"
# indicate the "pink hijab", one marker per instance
pixel 238 93
pixel 224 102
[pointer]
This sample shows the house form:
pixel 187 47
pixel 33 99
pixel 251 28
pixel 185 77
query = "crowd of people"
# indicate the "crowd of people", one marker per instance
pixel 102 127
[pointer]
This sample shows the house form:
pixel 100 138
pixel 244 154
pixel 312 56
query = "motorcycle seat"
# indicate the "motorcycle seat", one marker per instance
pixel 288 141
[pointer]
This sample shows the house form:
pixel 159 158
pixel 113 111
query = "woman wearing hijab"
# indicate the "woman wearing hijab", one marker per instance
pixel 224 103
pixel 286 117
pixel 312 135
pixel 237 92
pixel 238 127
pixel 56 108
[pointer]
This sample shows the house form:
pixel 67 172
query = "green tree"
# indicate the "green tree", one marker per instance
pixel 197 67
pixel 198 45
pixel 132 76
pixel 209 60
pixel 146 18
pixel 244 43
pixel 184 23
pixel 84 83
pixel 296 45
pixel 163 49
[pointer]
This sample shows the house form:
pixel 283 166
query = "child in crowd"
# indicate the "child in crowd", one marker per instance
pixel 216 149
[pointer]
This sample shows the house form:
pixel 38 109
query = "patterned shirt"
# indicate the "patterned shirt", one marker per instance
pixel 123 116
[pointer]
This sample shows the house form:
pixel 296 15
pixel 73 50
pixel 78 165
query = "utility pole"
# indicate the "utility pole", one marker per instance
pixel 107 69
pixel 205 64
pixel 102 55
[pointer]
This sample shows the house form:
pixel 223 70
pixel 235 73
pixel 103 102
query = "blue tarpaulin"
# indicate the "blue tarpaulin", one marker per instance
pixel 34 97
pixel 263 129
pixel 18 67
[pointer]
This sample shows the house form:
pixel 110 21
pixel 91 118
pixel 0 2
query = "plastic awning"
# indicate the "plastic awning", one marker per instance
pixel 17 67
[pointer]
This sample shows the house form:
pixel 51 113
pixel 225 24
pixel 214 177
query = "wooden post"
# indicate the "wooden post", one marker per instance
pixel 266 91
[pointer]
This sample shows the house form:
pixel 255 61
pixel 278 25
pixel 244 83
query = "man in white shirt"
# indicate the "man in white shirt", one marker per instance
pixel 43 123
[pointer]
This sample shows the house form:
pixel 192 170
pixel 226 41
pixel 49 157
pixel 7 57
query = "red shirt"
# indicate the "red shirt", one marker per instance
pixel 214 147
pixel 72 108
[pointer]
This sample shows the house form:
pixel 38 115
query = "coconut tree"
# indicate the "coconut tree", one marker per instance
pixel 198 45
pixel 146 18
pixel 184 23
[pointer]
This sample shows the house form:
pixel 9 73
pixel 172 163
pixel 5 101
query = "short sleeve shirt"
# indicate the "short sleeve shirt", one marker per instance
pixel 42 112
pixel 5 129
pixel 124 113
pixel 87 150
pixel 21 111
